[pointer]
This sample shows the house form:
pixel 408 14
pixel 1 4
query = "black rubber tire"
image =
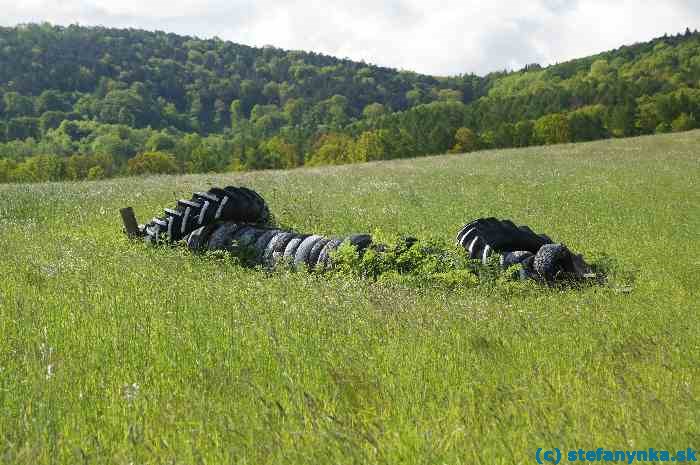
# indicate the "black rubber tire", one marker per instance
pixel 236 205
pixel 221 238
pixel 476 248
pixel 153 233
pixel 263 241
pixel 408 241
pixel 217 191
pixel 210 204
pixel 275 248
pixel 360 241
pixel 198 239
pixel 467 236
pixel 231 204
pixel 223 199
pixel 500 235
pixel 462 231
pixel 551 260
pixel 242 244
pixel 470 227
pixel 292 247
pixel 255 193
pixel 262 212
pixel 509 259
pixel 486 253
pixel 312 261
pixel 259 232
pixel 252 208
pixel 324 258
pixel 174 218
pixel 304 250
pixel 249 202
pixel 527 270
pixel 190 213
pixel 245 236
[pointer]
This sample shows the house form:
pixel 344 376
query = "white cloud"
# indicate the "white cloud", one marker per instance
pixel 440 37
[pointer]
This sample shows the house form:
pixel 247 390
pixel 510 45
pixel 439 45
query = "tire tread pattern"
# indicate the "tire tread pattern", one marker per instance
pixel 237 204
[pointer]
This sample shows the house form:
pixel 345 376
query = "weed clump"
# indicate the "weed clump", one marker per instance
pixel 414 262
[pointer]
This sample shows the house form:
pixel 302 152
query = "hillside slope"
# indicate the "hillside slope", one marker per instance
pixel 141 78
pixel 114 352
pixel 79 102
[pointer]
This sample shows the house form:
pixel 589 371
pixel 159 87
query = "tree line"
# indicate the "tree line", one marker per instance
pixel 88 103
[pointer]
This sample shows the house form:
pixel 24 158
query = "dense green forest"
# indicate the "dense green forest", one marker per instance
pixel 91 102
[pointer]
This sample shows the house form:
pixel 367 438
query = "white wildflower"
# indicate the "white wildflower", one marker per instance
pixel 131 391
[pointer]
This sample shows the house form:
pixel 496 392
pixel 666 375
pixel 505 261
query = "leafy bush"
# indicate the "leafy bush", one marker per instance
pixel 417 262
pixel 153 163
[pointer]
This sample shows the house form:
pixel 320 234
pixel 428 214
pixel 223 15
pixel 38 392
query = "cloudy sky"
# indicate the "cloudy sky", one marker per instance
pixel 440 37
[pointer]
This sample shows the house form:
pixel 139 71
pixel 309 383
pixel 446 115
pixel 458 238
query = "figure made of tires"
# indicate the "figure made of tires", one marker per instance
pixel 237 219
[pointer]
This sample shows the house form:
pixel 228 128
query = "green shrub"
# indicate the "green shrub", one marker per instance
pixel 152 163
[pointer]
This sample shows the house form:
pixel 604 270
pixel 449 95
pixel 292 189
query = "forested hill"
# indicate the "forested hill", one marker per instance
pixel 79 102
pixel 139 78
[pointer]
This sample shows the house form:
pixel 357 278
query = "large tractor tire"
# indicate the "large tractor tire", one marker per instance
pixel 237 204
pixel 486 235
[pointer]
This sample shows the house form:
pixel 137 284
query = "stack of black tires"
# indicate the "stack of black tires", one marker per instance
pixel 537 254
pixel 238 220
pixel 206 208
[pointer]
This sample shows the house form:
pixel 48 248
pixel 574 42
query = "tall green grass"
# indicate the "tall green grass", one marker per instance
pixel 112 352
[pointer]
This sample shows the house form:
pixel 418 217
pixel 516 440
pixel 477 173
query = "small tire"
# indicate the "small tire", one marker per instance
pixel 551 260
pixel 262 242
pixel 245 236
pixel 312 260
pixel 527 270
pixel 198 239
pixel 360 241
pixel 302 253
pixel 324 258
pixel 292 246
pixel 222 236
pixel 276 247
pixel 509 259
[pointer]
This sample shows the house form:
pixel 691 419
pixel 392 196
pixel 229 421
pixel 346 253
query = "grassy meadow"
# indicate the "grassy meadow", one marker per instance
pixel 114 352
